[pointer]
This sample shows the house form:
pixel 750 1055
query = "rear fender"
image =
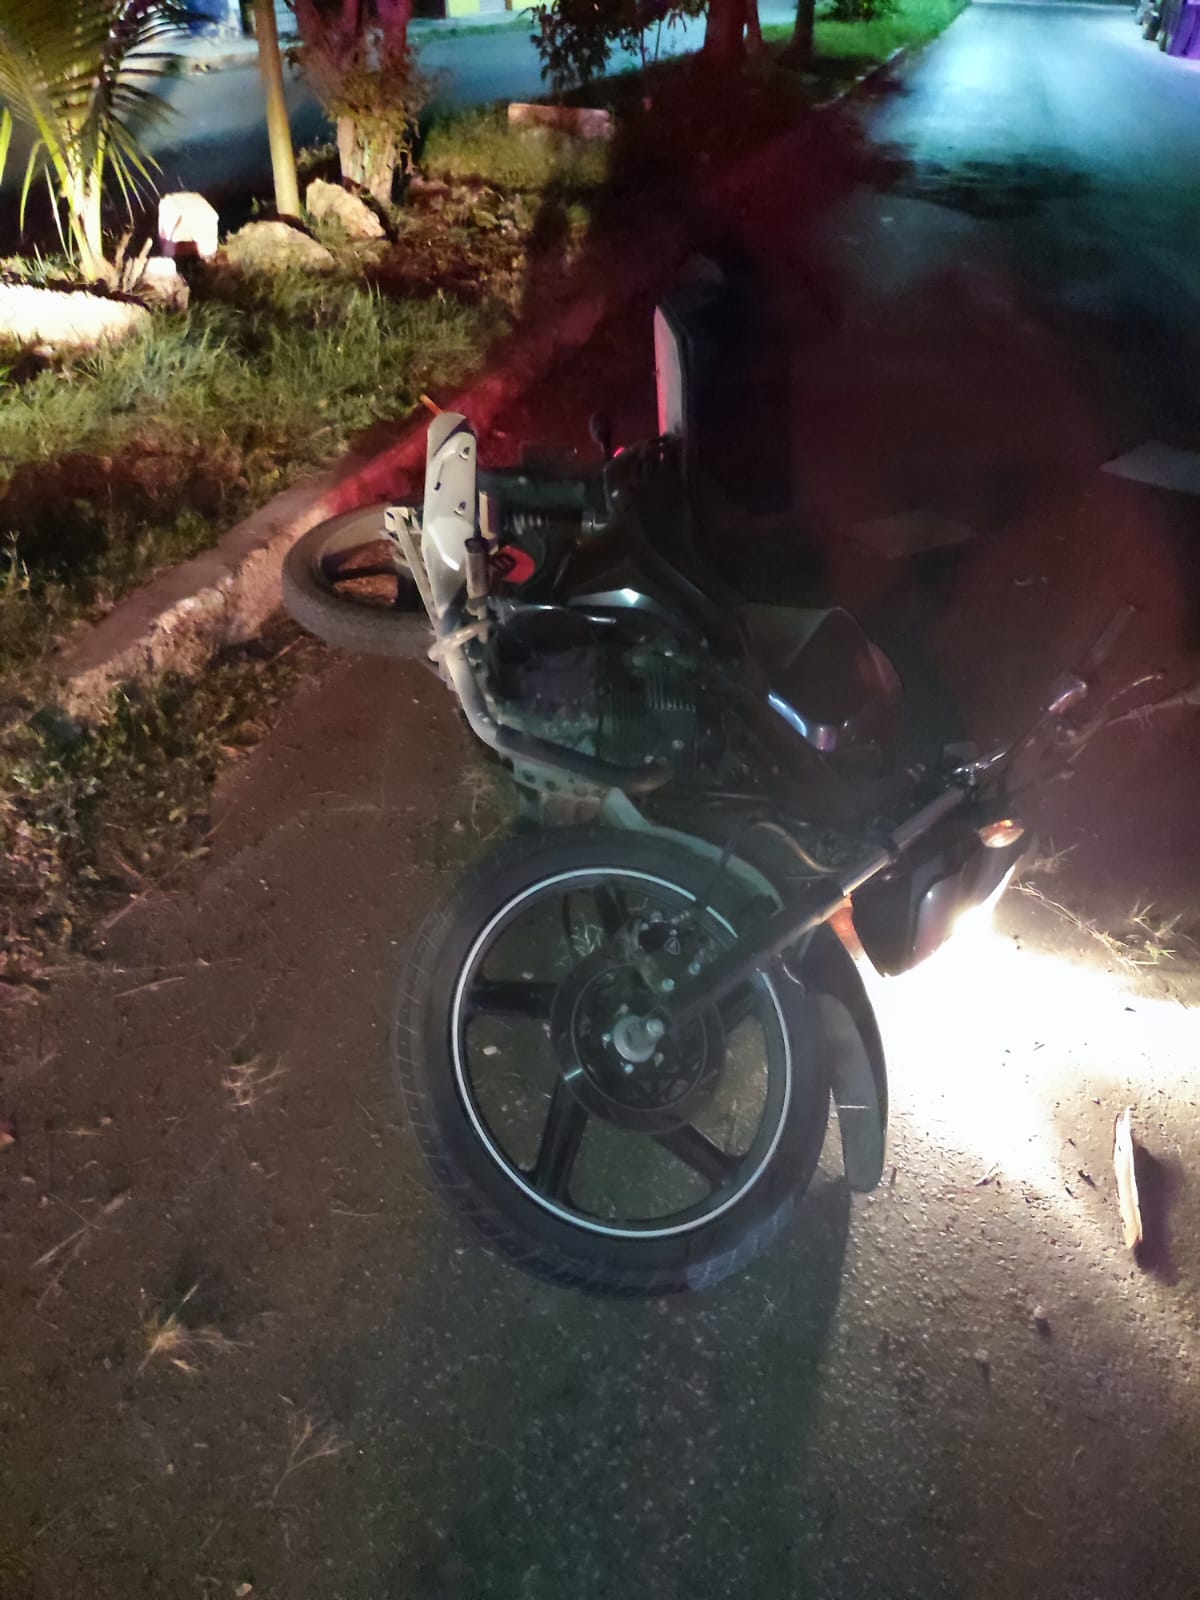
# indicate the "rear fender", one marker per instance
pixel 826 1004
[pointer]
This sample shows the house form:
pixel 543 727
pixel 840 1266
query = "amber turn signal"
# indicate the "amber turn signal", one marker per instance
pixel 999 835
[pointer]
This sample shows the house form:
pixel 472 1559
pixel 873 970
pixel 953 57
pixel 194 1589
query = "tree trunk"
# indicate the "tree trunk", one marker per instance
pixel 367 162
pixel 270 66
pixel 724 44
pixel 754 38
pixel 799 52
pixel 85 227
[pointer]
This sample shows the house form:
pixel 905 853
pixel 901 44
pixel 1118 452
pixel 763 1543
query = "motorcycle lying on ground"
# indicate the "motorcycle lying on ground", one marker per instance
pixel 618 1039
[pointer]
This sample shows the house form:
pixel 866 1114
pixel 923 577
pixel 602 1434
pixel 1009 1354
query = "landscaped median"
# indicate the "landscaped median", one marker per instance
pixel 121 465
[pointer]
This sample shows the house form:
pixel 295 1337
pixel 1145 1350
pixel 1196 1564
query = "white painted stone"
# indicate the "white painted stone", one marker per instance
pixel 66 320
pixel 162 284
pixel 187 226
pixel 329 202
pixel 276 247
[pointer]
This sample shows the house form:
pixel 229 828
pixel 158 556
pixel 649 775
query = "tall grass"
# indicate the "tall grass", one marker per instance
pixel 481 144
pixel 254 367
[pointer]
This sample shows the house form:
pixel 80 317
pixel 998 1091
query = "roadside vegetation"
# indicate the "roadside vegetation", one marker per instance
pixel 124 460
pixel 852 41
pixel 92 816
pixel 120 461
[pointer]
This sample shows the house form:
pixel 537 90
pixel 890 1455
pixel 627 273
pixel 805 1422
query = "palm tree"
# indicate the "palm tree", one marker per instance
pixel 74 75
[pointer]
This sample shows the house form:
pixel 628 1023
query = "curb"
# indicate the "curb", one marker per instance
pixel 243 52
pixel 180 619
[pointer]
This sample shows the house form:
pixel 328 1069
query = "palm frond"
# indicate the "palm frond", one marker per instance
pixel 76 74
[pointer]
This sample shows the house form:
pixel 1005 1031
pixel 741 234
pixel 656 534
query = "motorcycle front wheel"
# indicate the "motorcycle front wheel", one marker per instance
pixel 579 1133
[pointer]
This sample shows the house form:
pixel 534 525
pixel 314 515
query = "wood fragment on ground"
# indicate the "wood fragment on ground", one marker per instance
pixel 1126 1176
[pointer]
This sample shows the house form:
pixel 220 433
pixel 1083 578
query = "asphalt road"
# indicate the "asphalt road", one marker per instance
pixel 218 141
pixel 873 1409
pixel 1059 157
pixel 215 138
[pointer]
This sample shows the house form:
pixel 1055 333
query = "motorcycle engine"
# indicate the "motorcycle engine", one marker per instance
pixel 625 697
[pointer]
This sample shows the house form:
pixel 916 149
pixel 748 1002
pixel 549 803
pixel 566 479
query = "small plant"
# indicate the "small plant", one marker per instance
pixel 246 1082
pixel 308 1441
pixel 169 1338
pixel 575 38
pixel 1151 938
pixel 1144 938
pixel 862 10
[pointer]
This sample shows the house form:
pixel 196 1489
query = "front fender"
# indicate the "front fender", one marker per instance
pixel 831 1000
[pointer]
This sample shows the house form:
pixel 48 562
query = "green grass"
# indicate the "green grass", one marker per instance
pixel 247 367
pixel 480 144
pixel 915 22
pixel 124 461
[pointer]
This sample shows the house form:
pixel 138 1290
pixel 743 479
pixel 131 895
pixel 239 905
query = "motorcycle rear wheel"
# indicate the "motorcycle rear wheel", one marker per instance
pixel 344 581
pixel 643 1176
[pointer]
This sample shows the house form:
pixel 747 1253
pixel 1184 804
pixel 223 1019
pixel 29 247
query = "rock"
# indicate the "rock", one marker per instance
pixel 162 284
pixel 187 226
pixel 585 122
pixel 276 247
pixel 61 319
pixel 329 202
pixel 1041 1319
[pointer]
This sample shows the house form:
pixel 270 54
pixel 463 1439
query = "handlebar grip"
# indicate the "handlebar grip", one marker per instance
pixel 1104 644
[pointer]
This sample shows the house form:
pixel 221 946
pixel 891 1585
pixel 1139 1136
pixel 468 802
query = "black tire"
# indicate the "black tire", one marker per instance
pixel 392 625
pixel 460 1145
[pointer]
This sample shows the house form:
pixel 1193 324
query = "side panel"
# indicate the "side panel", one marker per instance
pixel 450 510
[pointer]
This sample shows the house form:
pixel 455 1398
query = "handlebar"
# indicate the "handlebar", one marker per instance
pixel 1103 646
pixel 1070 689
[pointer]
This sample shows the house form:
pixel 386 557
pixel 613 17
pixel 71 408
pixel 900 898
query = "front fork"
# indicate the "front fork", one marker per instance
pixel 795 919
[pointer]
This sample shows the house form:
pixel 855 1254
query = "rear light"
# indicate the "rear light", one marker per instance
pixel 999 835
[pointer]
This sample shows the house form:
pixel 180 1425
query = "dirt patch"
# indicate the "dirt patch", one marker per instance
pixel 98 816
